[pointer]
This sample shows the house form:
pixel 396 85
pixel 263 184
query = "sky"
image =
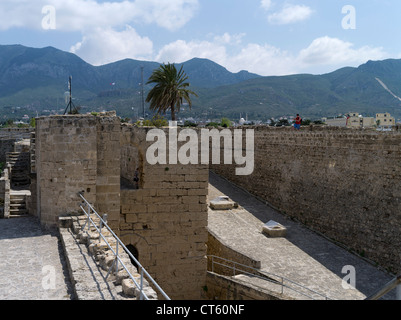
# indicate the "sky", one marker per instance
pixel 266 37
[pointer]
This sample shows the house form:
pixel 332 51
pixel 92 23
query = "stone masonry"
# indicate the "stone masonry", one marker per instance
pixel 343 183
pixel 75 154
pixel 163 216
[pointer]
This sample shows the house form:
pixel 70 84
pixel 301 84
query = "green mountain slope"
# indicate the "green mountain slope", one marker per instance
pixel 347 89
pixel 25 69
pixel 32 80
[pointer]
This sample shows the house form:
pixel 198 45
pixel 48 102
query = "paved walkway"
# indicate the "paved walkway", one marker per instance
pixel 302 256
pixel 32 265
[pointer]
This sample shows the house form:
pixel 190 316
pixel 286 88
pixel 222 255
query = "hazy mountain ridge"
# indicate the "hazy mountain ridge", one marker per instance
pixel 344 90
pixel 39 78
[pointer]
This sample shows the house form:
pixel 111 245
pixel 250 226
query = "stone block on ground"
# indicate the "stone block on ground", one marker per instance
pixel 274 229
pixel 222 203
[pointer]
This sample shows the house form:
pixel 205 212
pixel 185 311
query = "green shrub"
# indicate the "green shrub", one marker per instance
pixel 157 121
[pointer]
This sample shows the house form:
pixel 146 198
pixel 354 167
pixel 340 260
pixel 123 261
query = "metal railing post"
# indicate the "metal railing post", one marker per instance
pixel 141 298
pixel 89 213
pixel 100 230
pixel 104 218
pixel 103 222
pixel 267 276
pixel 393 284
pixel 116 258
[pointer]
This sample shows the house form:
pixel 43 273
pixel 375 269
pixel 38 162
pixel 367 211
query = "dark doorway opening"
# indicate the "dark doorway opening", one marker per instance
pixel 134 252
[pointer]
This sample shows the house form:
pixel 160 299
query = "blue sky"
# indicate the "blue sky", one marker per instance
pixel 267 37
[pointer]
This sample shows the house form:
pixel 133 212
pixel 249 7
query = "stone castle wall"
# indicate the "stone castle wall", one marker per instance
pixel 343 183
pixel 8 138
pixel 163 216
pixel 72 155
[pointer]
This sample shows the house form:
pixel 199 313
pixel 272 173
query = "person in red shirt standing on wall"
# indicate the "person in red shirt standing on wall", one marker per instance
pixel 298 121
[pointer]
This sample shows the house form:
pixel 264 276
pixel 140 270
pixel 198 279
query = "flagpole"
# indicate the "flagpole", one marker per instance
pixel 70 104
pixel 142 93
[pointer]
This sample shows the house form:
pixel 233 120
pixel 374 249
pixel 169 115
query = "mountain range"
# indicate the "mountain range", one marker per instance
pixel 33 81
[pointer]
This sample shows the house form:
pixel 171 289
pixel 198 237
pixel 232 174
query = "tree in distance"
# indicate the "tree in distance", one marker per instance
pixel 170 90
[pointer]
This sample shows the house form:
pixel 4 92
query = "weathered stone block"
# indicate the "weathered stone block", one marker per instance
pixel 274 229
pixel 222 203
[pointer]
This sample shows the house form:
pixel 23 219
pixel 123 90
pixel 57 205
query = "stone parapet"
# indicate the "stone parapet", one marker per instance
pixel 77 153
pixel 344 183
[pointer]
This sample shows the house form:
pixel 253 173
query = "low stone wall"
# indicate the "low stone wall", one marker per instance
pixel 5 194
pixel 220 287
pixel 16 133
pixel 216 248
pixel 343 183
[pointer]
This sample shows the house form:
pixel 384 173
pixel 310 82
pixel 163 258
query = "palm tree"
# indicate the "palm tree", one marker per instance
pixel 170 91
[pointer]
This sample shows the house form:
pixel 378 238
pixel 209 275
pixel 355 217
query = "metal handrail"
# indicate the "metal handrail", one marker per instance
pixel 115 252
pixel 265 276
pixel 396 282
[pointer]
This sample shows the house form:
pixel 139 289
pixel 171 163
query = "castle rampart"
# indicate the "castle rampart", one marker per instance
pixel 343 183
pixel 161 215
pixel 164 216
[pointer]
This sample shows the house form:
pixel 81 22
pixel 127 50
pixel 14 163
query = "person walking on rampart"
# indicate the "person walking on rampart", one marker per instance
pixel 136 178
pixel 298 121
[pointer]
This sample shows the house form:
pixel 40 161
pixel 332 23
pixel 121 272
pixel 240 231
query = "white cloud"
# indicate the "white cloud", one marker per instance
pixel 105 37
pixel 336 52
pixel 290 14
pixel 261 59
pixel 103 46
pixel 78 15
pixel 169 14
pixel 181 51
pixel 20 14
pixel 231 39
pixel 266 4
pixel 323 55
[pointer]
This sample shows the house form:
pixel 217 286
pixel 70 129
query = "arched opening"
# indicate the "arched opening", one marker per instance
pixel 134 252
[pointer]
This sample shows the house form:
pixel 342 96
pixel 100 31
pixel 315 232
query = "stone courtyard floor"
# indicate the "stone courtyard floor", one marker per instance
pixel 32 265
pixel 302 256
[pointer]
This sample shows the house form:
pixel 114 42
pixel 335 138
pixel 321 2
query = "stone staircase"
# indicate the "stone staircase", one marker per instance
pixel 89 260
pixel 20 165
pixel 19 178
pixel 17 205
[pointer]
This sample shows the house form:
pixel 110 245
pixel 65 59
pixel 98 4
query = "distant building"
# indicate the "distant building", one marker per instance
pixel 356 120
pixel 352 120
pixel 336 122
pixel 385 121
pixel 368 122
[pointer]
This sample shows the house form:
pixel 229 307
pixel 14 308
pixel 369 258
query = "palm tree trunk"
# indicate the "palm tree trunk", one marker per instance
pixel 172 113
